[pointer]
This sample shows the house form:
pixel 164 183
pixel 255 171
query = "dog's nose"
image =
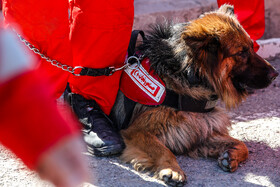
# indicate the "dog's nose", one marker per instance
pixel 272 75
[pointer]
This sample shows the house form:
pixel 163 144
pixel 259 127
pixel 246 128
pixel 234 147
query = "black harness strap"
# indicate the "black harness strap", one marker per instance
pixel 96 72
pixel 187 103
pixel 133 40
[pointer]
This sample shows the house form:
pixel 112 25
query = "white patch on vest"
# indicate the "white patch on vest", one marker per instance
pixel 14 58
pixel 145 82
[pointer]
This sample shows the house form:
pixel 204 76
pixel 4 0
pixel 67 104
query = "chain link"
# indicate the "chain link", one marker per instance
pixel 64 67
pixel 68 68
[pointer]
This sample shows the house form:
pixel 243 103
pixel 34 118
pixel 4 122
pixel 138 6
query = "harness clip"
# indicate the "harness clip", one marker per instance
pixel 74 69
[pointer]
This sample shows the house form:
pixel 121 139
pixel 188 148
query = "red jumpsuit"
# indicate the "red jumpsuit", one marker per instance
pixel 96 36
pixel 30 122
pixel 250 13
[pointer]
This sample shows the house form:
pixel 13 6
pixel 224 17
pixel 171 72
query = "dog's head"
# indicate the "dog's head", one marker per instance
pixel 223 52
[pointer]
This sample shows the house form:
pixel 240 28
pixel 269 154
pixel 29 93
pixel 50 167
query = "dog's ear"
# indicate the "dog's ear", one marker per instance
pixel 204 49
pixel 210 50
pixel 227 9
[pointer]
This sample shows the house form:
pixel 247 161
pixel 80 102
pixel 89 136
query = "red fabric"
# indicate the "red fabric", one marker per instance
pixel 100 33
pixel 45 24
pixel 30 123
pixel 250 13
pixel 142 85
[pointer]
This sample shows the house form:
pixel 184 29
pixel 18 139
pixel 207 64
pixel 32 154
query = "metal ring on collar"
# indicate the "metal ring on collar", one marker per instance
pixel 133 57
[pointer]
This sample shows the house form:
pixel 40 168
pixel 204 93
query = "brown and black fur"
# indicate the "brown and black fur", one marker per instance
pixel 210 55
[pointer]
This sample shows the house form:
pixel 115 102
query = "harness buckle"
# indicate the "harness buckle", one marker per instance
pixel 112 70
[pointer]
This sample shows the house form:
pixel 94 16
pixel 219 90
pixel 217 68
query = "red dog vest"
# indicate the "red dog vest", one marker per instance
pixel 141 84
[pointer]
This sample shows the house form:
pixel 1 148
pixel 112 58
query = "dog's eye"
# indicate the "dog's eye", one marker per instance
pixel 243 53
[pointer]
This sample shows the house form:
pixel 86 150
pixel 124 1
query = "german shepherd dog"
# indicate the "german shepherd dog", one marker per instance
pixel 209 56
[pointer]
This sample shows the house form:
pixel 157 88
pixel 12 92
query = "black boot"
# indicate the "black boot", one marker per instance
pixel 102 139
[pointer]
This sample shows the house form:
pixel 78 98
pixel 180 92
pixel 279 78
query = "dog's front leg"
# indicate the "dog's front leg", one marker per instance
pixel 145 152
pixel 229 151
pixel 233 155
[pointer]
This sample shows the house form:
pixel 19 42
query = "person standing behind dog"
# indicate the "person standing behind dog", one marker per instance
pixel 31 125
pixel 99 36
pixel 250 14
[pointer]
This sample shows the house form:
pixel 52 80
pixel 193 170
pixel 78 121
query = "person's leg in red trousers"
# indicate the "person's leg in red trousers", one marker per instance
pixel 250 13
pixel 99 34
pixel 45 24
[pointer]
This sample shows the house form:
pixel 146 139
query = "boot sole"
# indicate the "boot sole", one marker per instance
pixel 105 150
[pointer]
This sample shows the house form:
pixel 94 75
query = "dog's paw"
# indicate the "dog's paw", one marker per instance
pixel 227 161
pixel 173 178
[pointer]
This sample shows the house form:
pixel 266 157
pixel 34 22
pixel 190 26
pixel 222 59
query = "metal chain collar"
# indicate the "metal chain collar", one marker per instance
pixel 68 68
